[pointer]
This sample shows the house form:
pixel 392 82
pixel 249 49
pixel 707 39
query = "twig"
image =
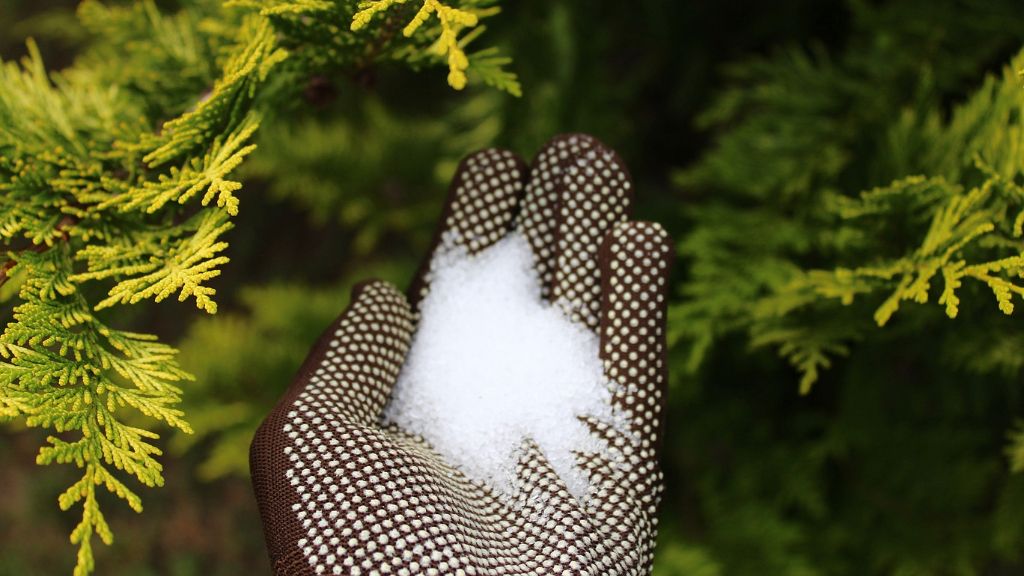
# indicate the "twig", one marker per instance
pixel 363 71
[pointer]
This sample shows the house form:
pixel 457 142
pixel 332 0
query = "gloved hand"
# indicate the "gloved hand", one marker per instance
pixel 341 493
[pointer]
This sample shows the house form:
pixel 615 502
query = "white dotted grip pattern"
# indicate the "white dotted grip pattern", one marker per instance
pixel 340 494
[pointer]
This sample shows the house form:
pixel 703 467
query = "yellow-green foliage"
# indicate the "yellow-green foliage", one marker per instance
pixel 118 174
pixel 65 370
pixel 432 33
pixel 974 209
pixel 965 203
pixel 452 20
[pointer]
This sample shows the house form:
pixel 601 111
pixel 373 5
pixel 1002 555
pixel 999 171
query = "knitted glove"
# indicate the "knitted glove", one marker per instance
pixel 341 493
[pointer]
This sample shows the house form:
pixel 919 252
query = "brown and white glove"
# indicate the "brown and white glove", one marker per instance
pixel 340 492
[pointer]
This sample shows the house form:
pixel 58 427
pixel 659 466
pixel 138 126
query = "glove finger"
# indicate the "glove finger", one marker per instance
pixel 346 378
pixel 578 190
pixel 634 260
pixel 591 192
pixel 482 202
pixel 538 219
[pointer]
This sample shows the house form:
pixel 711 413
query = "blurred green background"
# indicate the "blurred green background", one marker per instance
pixel 893 464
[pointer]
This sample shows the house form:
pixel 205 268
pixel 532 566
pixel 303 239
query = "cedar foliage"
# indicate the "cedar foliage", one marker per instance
pixel 119 172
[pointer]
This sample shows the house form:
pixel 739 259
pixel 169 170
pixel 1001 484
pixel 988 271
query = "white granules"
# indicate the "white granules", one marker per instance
pixel 492 364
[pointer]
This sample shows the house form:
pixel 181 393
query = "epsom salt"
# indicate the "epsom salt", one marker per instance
pixel 492 364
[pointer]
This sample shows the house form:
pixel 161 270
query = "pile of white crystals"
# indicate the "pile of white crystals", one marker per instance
pixel 493 364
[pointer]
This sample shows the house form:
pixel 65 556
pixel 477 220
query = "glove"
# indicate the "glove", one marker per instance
pixel 341 492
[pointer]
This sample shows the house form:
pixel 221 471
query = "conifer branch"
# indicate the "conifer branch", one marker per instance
pixel 751 266
pixel 159 263
pixel 487 65
pixel 65 370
